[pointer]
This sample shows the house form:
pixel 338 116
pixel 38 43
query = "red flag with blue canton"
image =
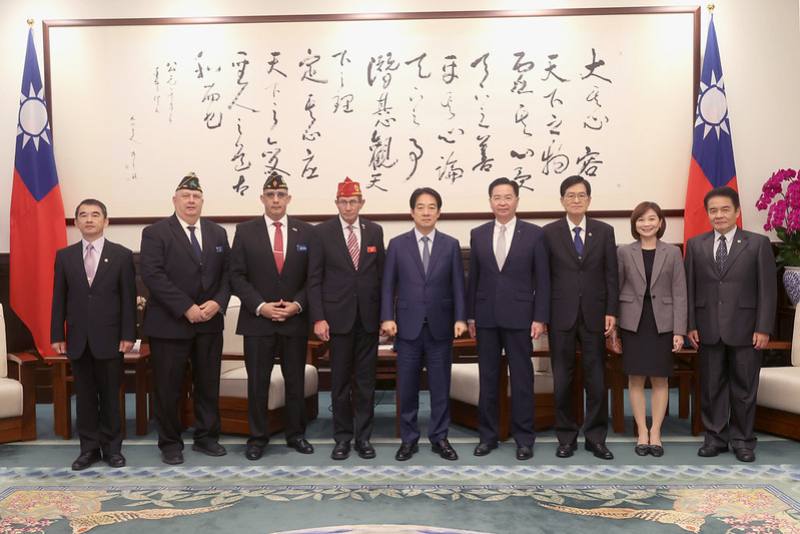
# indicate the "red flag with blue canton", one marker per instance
pixel 38 229
pixel 712 150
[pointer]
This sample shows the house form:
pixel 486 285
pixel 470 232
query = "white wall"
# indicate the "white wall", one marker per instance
pixel 759 43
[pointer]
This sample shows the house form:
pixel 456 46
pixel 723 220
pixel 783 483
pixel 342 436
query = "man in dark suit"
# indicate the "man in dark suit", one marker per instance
pixel 422 303
pixel 94 291
pixel 583 306
pixel 344 285
pixel 732 295
pixel 508 301
pixel 184 263
pixel 269 270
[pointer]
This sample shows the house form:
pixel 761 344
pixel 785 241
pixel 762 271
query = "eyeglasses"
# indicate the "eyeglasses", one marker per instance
pixel 276 194
pixel 503 198
pixel 352 203
pixel 576 196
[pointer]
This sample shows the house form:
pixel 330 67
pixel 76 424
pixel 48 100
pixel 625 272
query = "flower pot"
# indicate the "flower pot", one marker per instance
pixel 791 282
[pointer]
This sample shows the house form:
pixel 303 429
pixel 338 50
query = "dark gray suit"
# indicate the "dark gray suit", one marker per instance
pixel 727 308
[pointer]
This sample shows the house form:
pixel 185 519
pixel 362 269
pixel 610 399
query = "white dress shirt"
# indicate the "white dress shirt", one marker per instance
pixel 581 225
pixel 98 251
pixel 356 230
pixel 510 227
pixel 420 244
pixel 198 233
pixel 728 240
pixel 284 230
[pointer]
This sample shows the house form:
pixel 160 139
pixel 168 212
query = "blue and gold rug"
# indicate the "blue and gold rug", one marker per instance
pixel 400 499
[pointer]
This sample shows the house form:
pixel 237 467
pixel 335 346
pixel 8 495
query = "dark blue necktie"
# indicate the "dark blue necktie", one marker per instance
pixel 578 240
pixel 195 243
pixel 722 254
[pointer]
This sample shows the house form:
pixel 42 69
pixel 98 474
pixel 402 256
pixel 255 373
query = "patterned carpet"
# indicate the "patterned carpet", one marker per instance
pixel 403 499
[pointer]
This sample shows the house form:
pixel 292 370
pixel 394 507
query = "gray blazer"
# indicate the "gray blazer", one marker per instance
pixel 667 287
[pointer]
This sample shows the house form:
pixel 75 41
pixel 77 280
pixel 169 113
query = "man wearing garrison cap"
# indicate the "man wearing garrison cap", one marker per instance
pixel 344 285
pixel 184 262
pixel 269 266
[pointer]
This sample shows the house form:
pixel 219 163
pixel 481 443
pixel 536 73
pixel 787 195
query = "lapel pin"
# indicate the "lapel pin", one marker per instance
pixel 294 229
pixel 589 234
pixel 738 240
pixel 363 226
pixel 105 260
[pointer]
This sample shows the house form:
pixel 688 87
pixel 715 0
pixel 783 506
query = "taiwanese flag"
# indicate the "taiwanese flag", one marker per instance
pixel 712 151
pixel 37 211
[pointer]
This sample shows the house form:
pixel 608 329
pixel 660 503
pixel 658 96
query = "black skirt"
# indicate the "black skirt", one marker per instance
pixel 646 352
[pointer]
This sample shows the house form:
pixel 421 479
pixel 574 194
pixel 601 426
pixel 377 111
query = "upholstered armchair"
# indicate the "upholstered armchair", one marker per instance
pixel 17 392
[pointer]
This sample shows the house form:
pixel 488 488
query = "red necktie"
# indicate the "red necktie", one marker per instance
pixel 352 246
pixel 277 248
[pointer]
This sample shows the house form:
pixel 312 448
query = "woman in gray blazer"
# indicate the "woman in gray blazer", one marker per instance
pixel 652 318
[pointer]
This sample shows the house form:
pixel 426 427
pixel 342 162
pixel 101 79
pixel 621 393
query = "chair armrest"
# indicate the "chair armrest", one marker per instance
pixel 22 362
pixel 779 345
pixel 23 358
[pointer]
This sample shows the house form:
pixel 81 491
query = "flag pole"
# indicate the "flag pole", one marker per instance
pixel 710 8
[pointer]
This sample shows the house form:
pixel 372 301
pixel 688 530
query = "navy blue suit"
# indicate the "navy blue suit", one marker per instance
pixel 503 304
pixel 425 307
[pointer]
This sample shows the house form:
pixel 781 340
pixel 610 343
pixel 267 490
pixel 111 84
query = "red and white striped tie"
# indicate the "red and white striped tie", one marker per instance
pixel 352 246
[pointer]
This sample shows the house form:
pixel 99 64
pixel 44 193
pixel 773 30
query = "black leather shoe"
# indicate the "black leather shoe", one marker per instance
pixel 444 450
pixel 482 449
pixel 524 452
pixel 301 445
pixel 115 460
pixel 86 459
pixel 211 448
pixel 642 449
pixel 599 450
pixel 565 450
pixel 365 450
pixel 172 457
pixel 745 455
pixel 253 452
pixel 709 451
pixel 341 451
pixel 657 451
pixel 406 451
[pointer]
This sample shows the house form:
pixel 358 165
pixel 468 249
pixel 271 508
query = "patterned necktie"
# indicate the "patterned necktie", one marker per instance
pixel 352 246
pixel 578 241
pixel 277 248
pixel 89 263
pixel 500 253
pixel 426 253
pixel 195 243
pixel 722 253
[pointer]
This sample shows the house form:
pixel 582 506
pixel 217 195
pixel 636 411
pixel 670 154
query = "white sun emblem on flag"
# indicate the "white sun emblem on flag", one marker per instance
pixel 33 118
pixel 712 107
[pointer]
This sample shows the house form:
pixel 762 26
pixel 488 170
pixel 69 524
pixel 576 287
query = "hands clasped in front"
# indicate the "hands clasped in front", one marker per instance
pixel 200 313
pixel 279 311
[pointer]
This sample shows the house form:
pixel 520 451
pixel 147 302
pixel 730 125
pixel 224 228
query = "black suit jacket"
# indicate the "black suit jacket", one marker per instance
pixel 176 279
pixel 741 300
pixel 100 315
pixel 255 278
pixel 335 287
pixel 520 293
pixel 588 285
